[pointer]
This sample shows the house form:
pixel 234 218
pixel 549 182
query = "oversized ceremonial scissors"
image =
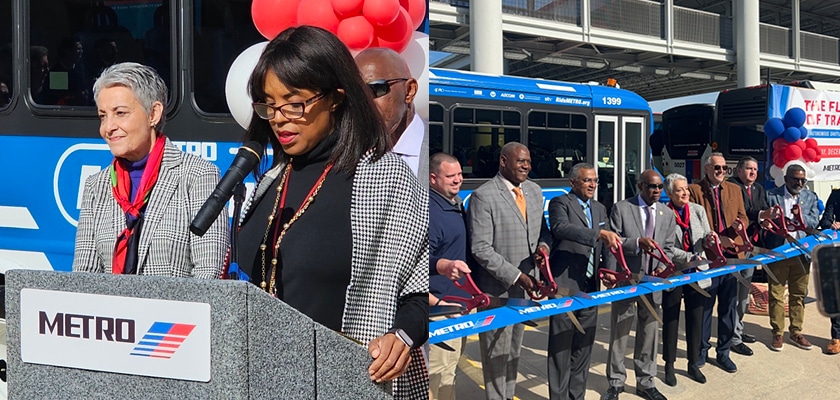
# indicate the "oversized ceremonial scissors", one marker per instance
pixel 623 274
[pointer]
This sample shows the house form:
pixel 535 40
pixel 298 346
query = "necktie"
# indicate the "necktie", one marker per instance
pixel 590 265
pixel 749 192
pixel 716 193
pixel 649 228
pixel 520 202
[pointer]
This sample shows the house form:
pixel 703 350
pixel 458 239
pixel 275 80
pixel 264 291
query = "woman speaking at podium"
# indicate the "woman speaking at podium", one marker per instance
pixel 136 213
pixel 338 226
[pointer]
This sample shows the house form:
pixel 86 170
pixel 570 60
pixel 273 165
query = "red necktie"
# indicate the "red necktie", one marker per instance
pixel 716 193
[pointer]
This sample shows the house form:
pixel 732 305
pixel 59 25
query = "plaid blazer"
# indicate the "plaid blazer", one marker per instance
pixel 167 247
pixel 389 217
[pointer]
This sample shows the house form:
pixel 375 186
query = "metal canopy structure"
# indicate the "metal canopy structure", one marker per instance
pixel 654 49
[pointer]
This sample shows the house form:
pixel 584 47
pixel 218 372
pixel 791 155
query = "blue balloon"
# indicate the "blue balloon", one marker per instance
pixel 803 132
pixel 792 134
pixel 794 117
pixel 773 128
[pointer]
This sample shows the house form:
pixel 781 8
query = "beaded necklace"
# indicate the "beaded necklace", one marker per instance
pixel 279 204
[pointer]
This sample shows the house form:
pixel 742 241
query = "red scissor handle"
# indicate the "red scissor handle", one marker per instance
pixel 779 226
pixel 478 299
pixel 797 223
pixel 546 286
pixel 623 274
pixel 660 256
pixel 747 246
pixel 713 245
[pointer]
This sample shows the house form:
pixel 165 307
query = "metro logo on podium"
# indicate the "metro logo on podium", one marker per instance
pixel 116 334
pixel 162 340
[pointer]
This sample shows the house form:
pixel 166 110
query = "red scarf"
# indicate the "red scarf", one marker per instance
pixel 125 250
pixel 683 223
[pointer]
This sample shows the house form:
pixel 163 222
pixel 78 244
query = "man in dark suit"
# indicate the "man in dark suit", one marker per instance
pixel 507 226
pixel 723 204
pixel 755 202
pixel 581 235
pixel 643 222
pixel 793 271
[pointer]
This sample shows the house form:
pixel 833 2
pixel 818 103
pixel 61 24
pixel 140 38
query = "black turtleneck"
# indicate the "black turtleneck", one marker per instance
pixel 316 253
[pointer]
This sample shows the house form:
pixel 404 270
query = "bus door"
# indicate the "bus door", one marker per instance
pixel 618 155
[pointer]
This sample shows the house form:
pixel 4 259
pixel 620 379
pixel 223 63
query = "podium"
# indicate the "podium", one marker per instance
pixel 83 335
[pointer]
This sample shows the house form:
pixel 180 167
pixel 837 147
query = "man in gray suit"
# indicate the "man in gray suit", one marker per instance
pixel 632 219
pixel 581 235
pixel 507 224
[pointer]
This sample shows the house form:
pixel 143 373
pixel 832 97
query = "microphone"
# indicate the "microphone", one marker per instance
pixel 246 159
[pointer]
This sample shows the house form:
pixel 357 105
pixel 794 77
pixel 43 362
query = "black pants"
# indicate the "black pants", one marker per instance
pixel 569 353
pixel 694 303
pixel 835 328
pixel 724 289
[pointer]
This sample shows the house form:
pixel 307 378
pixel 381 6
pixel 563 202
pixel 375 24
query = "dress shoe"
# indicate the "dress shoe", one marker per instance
pixel 650 394
pixel 726 364
pixel 695 374
pixel 670 376
pixel 612 393
pixel 833 347
pixel 778 343
pixel 742 349
pixel 747 338
pixel 799 341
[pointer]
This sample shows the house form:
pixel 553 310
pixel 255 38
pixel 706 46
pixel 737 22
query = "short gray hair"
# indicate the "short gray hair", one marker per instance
pixel 708 159
pixel 575 172
pixel 671 180
pixel 146 85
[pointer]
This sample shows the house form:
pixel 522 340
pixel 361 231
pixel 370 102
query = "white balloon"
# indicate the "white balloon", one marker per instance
pixel 416 54
pixel 780 180
pixel 775 171
pixel 236 84
pixel 810 171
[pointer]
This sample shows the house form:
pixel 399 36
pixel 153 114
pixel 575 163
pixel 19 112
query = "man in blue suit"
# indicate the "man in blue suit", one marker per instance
pixel 793 271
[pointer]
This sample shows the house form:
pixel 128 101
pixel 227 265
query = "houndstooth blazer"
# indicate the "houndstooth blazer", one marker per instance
pixel 167 247
pixel 389 217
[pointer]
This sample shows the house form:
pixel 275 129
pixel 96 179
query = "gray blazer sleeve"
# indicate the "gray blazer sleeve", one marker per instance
pixel 481 227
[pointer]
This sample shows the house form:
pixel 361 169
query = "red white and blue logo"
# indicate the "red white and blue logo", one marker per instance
pixel 162 340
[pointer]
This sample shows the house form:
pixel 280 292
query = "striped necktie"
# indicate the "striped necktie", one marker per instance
pixel 590 265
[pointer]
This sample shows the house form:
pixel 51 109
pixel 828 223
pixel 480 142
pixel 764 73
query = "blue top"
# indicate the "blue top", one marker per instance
pixel 447 239
pixel 135 172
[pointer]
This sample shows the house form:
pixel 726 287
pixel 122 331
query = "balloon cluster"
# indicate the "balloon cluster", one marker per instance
pixel 791 144
pixel 358 23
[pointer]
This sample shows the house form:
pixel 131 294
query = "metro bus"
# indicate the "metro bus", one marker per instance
pixel 739 128
pixel 686 134
pixel 473 115
pixel 49 131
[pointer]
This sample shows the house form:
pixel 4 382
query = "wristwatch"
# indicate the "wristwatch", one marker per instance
pixel 402 335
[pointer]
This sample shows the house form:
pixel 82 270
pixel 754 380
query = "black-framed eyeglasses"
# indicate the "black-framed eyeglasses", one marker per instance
pixel 654 186
pixel 291 111
pixel 801 181
pixel 382 87
pixel 720 168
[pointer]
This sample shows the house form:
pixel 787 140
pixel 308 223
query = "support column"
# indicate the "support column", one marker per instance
pixel 747 42
pixel 486 47
pixel 795 43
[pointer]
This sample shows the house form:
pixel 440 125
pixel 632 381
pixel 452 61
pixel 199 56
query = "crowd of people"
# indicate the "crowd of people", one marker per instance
pixel 503 229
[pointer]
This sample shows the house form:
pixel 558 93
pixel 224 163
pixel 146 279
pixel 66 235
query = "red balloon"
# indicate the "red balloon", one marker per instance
pixel 779 159
pixel 381 12
pixel 793 153
pixel 416 10
pixel 395 36
pixel 809 154
pixel 273 16
pixel 818 159
pixel 801 144
pixel 355 32
pixel 811 143
pixel 317 13
pixel 347 8
pixel 779 144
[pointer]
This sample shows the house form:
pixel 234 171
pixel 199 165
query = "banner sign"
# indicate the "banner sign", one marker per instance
pixel 483 321
pixel 159 338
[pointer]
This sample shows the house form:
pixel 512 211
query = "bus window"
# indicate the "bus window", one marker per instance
pixel 72 42
pixel 478 136
pixel 746 141
pixel 605 159
pixel 223 30
pixel 6 86
pixel 435 128
pixel 633 145
pixel 555 145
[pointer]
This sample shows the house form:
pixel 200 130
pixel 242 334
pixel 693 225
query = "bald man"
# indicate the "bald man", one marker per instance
pixel 393 89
